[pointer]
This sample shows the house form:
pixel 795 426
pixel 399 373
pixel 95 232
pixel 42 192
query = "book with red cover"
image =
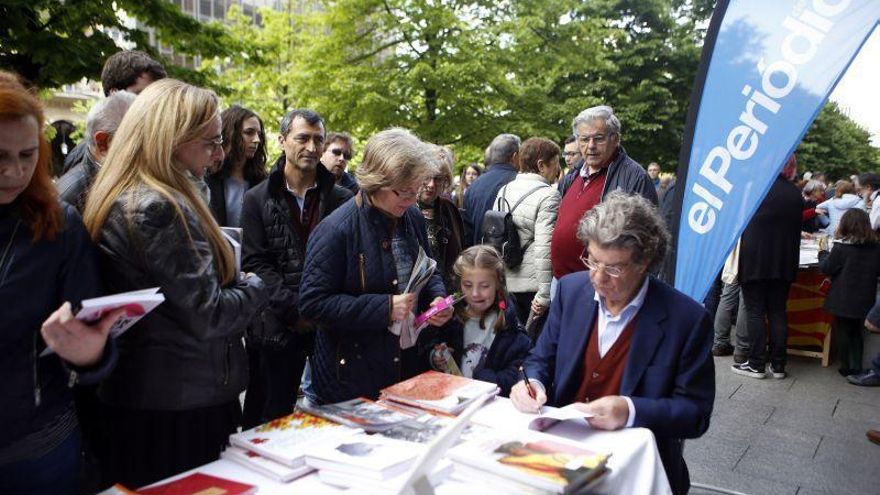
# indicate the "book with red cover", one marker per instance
pixel 200 484
pixel 435 391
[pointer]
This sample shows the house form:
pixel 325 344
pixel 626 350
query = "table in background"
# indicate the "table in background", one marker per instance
pixel 809 325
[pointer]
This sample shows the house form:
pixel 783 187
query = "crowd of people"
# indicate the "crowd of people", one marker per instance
pixel 320 296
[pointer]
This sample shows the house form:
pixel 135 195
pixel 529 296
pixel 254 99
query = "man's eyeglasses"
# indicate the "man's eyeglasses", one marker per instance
pixel 405 195
pixel 571 153
pixel 596 138
pixel 338 152
pixel 613 271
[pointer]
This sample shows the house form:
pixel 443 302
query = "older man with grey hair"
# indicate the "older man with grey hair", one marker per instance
pixel 623 346
pixel 605 168
pixel 502 157
pixel 101 125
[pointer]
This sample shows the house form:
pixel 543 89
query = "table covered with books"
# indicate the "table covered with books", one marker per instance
pixel 489 447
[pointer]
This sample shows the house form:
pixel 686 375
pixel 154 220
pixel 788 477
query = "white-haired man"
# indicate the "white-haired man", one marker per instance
pixel 101 125
pixel 605 168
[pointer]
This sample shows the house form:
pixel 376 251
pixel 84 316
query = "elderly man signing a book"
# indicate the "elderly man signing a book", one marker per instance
pixel 629 349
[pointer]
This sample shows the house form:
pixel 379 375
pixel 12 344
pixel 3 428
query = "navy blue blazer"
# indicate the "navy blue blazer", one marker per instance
pixel 670 374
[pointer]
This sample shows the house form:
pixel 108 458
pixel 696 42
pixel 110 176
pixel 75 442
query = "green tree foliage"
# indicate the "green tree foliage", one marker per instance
pixel 257 72
pixel 437 68
pixel 837 145
pixel 56 42
pixel 640 57
pixel 460 72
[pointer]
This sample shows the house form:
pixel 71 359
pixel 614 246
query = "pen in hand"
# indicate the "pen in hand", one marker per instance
pixel 525 379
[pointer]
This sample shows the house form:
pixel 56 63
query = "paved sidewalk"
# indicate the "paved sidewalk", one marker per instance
pixel 804 435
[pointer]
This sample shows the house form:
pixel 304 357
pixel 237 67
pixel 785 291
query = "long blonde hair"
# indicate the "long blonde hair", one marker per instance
pixel 166 115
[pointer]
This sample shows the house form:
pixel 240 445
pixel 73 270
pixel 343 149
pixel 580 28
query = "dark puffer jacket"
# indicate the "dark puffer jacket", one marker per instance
pixel 272 249
pixel 188 352
pixel 347 285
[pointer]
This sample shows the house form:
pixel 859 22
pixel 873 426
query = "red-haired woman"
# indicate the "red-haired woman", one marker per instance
pixel 46 261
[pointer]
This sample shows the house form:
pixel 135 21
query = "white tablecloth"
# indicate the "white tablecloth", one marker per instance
pixel 635 463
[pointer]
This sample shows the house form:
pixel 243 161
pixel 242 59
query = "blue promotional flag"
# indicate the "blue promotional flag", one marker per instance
pixel 766 71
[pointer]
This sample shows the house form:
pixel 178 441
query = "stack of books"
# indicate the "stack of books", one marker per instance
pixel 528 462
pixel 439 392
pixel 278 448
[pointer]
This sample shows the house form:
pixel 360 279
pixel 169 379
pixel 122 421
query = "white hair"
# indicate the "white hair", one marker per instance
pixel 106 115
pixel 601 112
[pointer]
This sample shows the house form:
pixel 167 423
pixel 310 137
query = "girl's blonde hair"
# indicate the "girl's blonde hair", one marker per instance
pixel 168 114
pixel 486 257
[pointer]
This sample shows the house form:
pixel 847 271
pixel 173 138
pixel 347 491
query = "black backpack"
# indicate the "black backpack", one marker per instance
pixel 500 232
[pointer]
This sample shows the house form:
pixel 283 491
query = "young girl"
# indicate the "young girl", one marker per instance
pixel 853 265
pixel 484 337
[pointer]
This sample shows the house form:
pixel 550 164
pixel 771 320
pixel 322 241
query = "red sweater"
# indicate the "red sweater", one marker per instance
pixel 603 375
pixel 565 248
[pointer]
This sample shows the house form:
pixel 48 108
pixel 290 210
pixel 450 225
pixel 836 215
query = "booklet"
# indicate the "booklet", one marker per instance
pixel 200 484
pixel 361 413
pixel 532 459
pixel 358 484
pixel 266 467
pixel 423 269
pixel 552 415
pixel 436 391
pixel 367 456
pixel 137 304
pixel 289 438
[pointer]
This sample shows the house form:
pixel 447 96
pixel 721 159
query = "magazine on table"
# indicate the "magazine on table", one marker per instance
pixel 422 429
pixel 531 459
pixel 367 456
pixel 423 269
pixel 266 467
pixel 440 392
pixel 361 413
pixel 137 304
pixel 288 439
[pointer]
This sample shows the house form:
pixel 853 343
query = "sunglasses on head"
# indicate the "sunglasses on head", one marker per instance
pixel 338 152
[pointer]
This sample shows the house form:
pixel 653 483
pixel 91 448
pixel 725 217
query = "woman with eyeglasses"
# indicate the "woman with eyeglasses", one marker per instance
pixel 243 166
pixel 358 263
pixel 468 175
pixel 46 261
pixel 172 400
pixel 442 218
